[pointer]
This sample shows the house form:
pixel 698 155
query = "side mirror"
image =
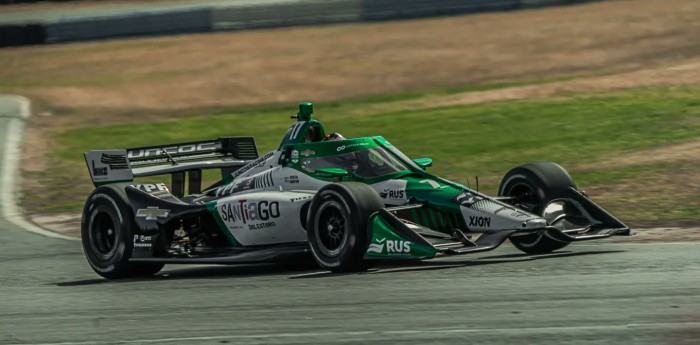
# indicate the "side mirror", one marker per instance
pixel 336 173
pixel 424 162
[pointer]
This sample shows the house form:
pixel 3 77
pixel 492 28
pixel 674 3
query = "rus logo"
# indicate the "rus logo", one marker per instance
pixel 398 247
pixel 392 194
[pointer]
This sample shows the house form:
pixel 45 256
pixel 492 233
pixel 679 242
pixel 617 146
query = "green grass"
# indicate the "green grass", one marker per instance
pixel 483 139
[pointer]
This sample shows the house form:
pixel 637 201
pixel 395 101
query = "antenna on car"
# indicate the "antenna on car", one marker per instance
pixel 477 183
pixel 305 111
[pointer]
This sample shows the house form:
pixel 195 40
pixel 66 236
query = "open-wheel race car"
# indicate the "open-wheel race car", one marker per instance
pixel 346 202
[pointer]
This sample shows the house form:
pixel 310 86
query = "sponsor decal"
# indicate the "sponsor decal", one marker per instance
pixel 236 187
pixel 142 241
pixel 518 214
pixel 393 247
pixel 392 191
pixel 344 147
pixel 484 222
pixel 295 156
pixel 308 153
pixel 258 162
pixel 261 226
pixel 301 198
pixel 161 151
pixel 291 179
pixel 246 212
pixel 152 213
pixel 468 199
pixel 398 247
pixel 377 247
pixel 98 172
pixel 393 194
pixel 149 187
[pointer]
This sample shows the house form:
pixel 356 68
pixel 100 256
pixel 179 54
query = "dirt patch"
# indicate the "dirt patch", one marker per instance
pixel 678 73
pixel 333 62
pixel 683 152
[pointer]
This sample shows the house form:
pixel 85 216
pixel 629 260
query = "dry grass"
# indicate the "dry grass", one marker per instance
pixel 612 44
pixel 333 62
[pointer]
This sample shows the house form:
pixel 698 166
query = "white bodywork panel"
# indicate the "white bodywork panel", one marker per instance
pixel 264 217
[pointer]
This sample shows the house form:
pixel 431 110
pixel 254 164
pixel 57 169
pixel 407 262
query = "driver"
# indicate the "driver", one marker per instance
pixel 347 161
pixel 334 136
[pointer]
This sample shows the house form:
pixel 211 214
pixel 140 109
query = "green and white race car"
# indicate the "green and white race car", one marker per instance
pixel 347 202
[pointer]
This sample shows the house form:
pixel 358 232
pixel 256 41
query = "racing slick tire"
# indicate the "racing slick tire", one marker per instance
pixel 107 227
pixel 535 185
pixel 337 225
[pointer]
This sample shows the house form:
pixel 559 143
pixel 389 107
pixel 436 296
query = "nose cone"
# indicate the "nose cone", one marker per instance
pixel 491 215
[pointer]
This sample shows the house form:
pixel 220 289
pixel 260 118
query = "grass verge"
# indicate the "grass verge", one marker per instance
pixel 484 139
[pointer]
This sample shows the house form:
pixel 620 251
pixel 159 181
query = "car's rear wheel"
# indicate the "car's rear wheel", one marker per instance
pixel 533 186
pixel 337 225
pixel 106 231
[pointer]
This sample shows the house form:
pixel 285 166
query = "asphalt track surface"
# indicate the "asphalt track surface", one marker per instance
pixel 592 293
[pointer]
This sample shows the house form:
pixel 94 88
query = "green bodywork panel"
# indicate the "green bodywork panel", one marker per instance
pixel 424 162
pixel 442 212
pixel 331 172
pixel 385 242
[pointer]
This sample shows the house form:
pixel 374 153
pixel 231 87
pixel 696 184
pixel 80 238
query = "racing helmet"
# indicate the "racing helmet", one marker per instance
pixel 334 136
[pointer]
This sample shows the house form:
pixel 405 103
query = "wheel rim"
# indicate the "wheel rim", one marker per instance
pixel 332 228
pixel 526 197
pixel 103 232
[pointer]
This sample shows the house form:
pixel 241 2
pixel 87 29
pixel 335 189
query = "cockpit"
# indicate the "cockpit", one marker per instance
pixel 366 163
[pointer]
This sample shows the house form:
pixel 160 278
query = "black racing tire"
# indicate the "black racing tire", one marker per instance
pixel 536 184
pixel 107 228
pixel 337 225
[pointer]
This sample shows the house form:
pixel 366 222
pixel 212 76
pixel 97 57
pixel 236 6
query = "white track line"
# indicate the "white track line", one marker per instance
pixel 238 338
pixel 9 175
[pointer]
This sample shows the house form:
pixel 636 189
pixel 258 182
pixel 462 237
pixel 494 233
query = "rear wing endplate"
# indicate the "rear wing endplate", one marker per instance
pixel 225 153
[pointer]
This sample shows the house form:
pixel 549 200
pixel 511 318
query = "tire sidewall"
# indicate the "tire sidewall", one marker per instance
pixel 359 202
pixel 347 251
pixel 549 181
pixel 105 201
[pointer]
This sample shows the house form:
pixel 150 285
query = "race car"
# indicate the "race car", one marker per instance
pixel 345 202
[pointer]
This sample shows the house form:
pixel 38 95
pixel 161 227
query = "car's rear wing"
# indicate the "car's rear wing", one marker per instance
pixel 225 153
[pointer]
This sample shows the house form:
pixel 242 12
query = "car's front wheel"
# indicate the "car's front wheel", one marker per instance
pixel 533 186
pixel 337 225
